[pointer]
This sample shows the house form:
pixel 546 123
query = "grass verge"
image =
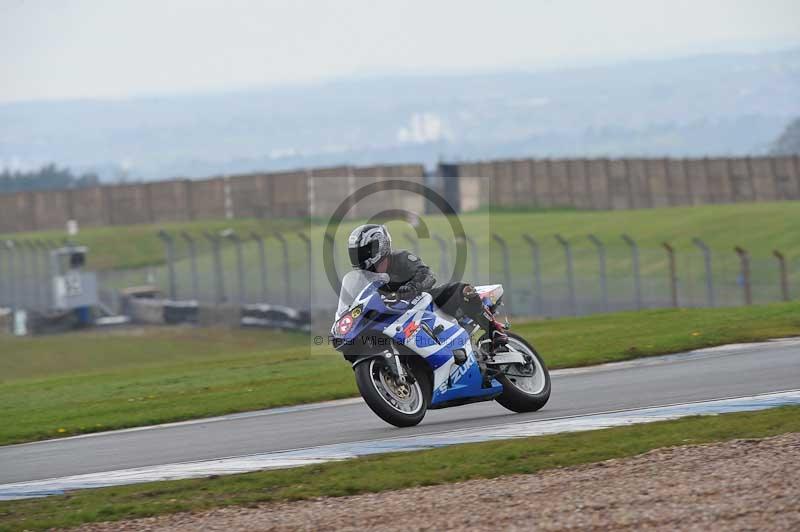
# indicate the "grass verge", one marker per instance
pixel 392 471
pixel 88 382
pixel 721 226
pixel 136 246
pixel 613 337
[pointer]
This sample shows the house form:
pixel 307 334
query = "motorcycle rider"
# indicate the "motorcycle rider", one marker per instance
pixel 370 248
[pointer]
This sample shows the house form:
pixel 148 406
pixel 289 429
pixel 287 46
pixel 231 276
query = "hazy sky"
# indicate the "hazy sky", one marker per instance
pixel 97 48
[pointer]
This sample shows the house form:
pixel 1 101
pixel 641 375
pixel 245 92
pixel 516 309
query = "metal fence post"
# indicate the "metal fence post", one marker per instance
pixel 444 265
pixel 10 281
pixel 262 262
pixel 673 274
pixel 23 279
pixel 329 241
pixel 23 272
pixel 190 245
pixel 13 272
pixel 784 272
pixel 3 275
pixel 414 243
pixel 474 255
pixel 744 259
pixel 219 280
pixel 36 270
pixel 33 296
pixel 287 276
pixel 169 247
pixel 237 242
pixel 637 277
pixel 507 298
pixel 47 273
pixel 709 272
pixel 536 264
pixel 573 303
pixel 6 272
pixel 307 241
pixel 601 263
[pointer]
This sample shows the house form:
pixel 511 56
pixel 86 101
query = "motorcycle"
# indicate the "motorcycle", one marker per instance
pixel 409 356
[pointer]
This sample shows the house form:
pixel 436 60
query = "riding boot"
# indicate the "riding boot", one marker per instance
pixel 475 309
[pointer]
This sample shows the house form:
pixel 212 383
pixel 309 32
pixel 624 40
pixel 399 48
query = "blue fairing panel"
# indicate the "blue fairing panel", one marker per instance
pixel 452 382
pixel 465 381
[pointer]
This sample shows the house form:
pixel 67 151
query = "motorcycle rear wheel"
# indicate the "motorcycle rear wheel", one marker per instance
pixel 525 388
pixel 401 405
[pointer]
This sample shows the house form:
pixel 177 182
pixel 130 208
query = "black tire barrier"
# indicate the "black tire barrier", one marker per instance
pixel 275 317
pixel 177 312
pixel 52 322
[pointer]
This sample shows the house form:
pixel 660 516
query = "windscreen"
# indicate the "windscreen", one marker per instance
pixel 353 283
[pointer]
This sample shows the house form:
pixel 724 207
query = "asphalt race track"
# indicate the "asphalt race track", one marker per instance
pixel 716 373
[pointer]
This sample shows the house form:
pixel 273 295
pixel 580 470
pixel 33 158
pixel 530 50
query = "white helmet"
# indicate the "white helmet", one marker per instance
pixel 367 245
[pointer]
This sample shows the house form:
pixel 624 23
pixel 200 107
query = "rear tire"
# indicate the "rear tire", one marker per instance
pixel 399 405
pixel 514 396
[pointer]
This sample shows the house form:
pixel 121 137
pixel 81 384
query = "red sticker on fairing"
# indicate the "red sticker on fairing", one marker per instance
pixel 410 329
pixel 345 324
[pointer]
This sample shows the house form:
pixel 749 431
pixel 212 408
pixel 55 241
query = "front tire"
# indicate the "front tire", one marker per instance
pixel 525 388
pixel 401 405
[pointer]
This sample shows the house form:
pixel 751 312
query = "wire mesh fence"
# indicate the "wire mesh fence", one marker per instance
pixel 543 275
pixel 24 274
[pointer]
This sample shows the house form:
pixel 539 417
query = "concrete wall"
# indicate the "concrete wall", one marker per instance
pixel 89 207
pixel 168 201
pixel 629 183
pixel 582 183
pixel 316 192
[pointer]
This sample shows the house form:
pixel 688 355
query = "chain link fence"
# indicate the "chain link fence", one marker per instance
pixel 543 275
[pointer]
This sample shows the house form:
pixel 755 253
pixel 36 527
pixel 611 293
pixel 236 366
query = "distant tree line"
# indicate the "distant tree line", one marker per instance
pixel 48 177
pixel 789 141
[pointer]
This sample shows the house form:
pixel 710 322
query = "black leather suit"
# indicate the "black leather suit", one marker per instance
pixel 407 269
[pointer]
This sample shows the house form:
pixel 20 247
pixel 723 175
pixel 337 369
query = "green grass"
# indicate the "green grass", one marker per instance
pixel 389 472
pixel 87 382
pixel 759 227
pixel 76 383
pixel 621 336
pixel 136 246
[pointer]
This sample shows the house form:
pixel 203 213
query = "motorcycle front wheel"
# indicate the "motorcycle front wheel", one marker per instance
pixel 400 404
pixel 526 388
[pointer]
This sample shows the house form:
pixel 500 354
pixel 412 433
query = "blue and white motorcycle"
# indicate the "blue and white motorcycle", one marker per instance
pixel 409 356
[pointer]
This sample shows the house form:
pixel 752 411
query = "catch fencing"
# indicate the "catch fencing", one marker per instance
pixel 551 276
pixel 543 275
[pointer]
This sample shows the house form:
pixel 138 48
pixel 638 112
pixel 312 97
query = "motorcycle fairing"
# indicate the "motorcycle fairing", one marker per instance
pixel 413 327
pixel 451 382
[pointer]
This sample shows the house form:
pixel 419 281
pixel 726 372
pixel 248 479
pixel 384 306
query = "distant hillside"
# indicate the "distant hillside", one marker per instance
pixel 723 104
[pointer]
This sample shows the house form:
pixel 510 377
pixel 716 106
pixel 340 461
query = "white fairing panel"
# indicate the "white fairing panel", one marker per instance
pixel 493 291
pixel 459 337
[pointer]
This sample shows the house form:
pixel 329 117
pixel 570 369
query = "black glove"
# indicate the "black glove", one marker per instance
pixel 407 292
